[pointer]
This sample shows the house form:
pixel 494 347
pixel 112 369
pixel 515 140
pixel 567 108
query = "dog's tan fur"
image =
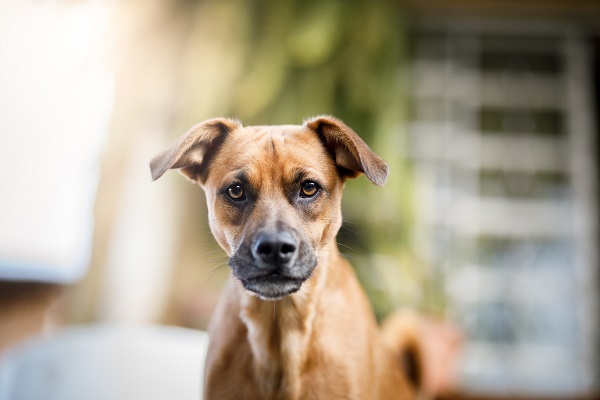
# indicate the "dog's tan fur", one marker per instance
pixel 322 341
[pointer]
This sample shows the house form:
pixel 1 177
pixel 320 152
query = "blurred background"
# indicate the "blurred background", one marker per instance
pixel 487 112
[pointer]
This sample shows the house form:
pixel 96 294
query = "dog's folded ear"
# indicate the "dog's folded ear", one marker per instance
pixel 192 152
pixel 352 155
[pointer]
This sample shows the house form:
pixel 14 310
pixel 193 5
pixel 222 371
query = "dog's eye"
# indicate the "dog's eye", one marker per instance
pixel 236 192
pixel 309 189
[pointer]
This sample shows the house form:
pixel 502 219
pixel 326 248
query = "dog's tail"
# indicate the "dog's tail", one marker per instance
pixel 401 334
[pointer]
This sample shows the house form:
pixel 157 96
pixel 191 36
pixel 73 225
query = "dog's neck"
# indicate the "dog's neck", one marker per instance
pixel 280 331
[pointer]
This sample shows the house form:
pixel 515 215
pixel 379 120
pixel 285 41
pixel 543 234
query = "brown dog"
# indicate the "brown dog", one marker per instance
pixel 295 324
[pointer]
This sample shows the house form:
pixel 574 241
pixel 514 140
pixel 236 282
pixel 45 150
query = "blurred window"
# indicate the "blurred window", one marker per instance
pixel 501 140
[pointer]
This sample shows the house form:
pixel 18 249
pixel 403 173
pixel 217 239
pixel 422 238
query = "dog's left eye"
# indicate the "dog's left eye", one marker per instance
pixel 236 192
pixel 308 189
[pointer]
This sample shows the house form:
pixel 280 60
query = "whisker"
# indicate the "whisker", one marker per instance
pixel 215 260
pixel 212 252
pixel 207 274
pixel 345 266
pixel 345 255
pixel 349 230
pixel 211 241
pixel 218 267
pixel 217 264
pixel 345 245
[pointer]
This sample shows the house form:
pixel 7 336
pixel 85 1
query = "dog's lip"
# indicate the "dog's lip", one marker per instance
pixel 275 278
pixel 273 286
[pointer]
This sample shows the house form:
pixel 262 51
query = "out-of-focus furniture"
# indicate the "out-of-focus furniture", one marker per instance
pixel 103 362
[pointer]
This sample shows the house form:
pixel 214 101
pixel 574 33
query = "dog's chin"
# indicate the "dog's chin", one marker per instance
pixel 272 287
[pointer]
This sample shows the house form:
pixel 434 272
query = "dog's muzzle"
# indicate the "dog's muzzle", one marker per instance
pixel 274 264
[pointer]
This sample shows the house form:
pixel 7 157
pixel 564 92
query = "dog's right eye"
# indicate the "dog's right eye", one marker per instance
pixel 309 189
pixel 236 192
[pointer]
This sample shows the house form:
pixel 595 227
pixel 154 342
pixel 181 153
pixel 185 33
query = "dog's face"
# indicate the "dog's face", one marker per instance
pixel 274 199
pixel 273 193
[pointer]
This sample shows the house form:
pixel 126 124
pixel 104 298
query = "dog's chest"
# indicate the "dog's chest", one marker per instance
pixel 279 337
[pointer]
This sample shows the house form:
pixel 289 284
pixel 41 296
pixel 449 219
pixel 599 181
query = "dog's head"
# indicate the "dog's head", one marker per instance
pixel 273 192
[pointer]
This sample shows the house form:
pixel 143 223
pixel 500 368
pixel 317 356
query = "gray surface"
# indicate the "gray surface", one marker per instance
pixel 106 362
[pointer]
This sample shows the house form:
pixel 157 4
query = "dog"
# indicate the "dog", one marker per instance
pixel 294 323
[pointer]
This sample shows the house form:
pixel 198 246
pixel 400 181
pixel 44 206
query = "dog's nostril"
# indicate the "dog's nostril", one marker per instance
pixel 264 249
pixel 287 248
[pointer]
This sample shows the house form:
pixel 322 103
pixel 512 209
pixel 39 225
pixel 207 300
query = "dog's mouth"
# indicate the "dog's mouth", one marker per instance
pixel 273 286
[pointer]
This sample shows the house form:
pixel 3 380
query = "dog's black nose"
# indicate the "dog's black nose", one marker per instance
pixel 275 249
